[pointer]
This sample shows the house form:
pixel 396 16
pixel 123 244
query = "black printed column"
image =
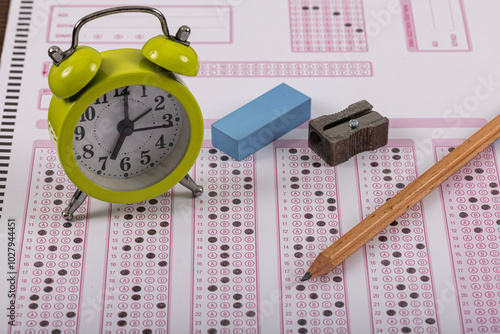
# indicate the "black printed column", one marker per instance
pixel 225 291
pixel 400 281
pixel 137 281
pixel 52 250
pixel 308 222
pixel 471 204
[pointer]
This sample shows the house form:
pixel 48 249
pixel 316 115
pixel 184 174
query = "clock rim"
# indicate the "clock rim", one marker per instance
pixel 119 68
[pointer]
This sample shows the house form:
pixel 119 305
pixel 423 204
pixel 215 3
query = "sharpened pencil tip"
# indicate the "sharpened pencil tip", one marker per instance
pixel 306 277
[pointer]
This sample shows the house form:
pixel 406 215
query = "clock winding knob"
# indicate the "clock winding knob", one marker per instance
pixel 183 33
pixel 56 54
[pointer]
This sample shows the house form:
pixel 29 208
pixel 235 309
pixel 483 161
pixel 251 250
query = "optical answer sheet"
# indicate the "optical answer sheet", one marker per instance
pixel 231 260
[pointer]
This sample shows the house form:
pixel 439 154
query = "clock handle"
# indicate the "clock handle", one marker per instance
pixel 57 55
pixel 75 202
pixel 189 183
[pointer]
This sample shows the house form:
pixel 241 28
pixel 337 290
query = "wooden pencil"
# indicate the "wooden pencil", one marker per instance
pixel 404 200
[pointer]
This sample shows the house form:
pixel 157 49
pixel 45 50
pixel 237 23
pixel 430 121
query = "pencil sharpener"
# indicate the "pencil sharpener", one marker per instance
pixel 338 137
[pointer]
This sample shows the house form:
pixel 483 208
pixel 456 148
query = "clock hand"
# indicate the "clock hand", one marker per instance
pixel 125 104
pixel 125 128
pixel 122 126
pixel 141 115
pixel 153 127
pixel 118 145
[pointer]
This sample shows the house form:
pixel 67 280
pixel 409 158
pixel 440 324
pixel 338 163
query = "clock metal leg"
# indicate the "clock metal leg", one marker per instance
pixel 77 200
pixel 189 183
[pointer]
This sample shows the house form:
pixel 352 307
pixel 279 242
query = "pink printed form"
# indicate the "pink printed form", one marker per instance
pixel 327 26
pixel 435 25
pixel 308 222
pixel 52 251
pixel 225 295
pixel 471 205
pixel 399 277
pixel 210 24
pixel 285 69
pixel 137 274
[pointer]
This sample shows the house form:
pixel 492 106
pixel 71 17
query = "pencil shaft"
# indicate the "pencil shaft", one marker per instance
pixel 406 198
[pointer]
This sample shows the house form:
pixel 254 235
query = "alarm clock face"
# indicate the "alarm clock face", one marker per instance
pixel 131 137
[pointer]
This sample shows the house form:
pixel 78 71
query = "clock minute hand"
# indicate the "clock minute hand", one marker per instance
pixel 153 127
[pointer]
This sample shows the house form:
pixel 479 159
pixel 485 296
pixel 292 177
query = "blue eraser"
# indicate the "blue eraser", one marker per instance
pixel 261 121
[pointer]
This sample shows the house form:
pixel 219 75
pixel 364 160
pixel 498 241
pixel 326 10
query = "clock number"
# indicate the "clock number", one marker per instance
pixel 145 158
pixel 88 152
pixel 104 160
pixel 125 164
pixel 160 99
pixel 88 114
pixel 161 142
pixel 104 99
pixel 168 120
pixel 144 91
pixel 79 132
pixel 125 91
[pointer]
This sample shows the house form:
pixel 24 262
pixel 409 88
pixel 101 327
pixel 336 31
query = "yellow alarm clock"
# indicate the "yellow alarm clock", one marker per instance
pixel 125 126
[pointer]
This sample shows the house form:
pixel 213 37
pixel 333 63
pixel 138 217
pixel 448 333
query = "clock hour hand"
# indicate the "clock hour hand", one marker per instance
pixel 142 115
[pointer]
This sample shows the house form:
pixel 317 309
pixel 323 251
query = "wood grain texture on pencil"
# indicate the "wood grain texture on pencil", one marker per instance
pixel 402 201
